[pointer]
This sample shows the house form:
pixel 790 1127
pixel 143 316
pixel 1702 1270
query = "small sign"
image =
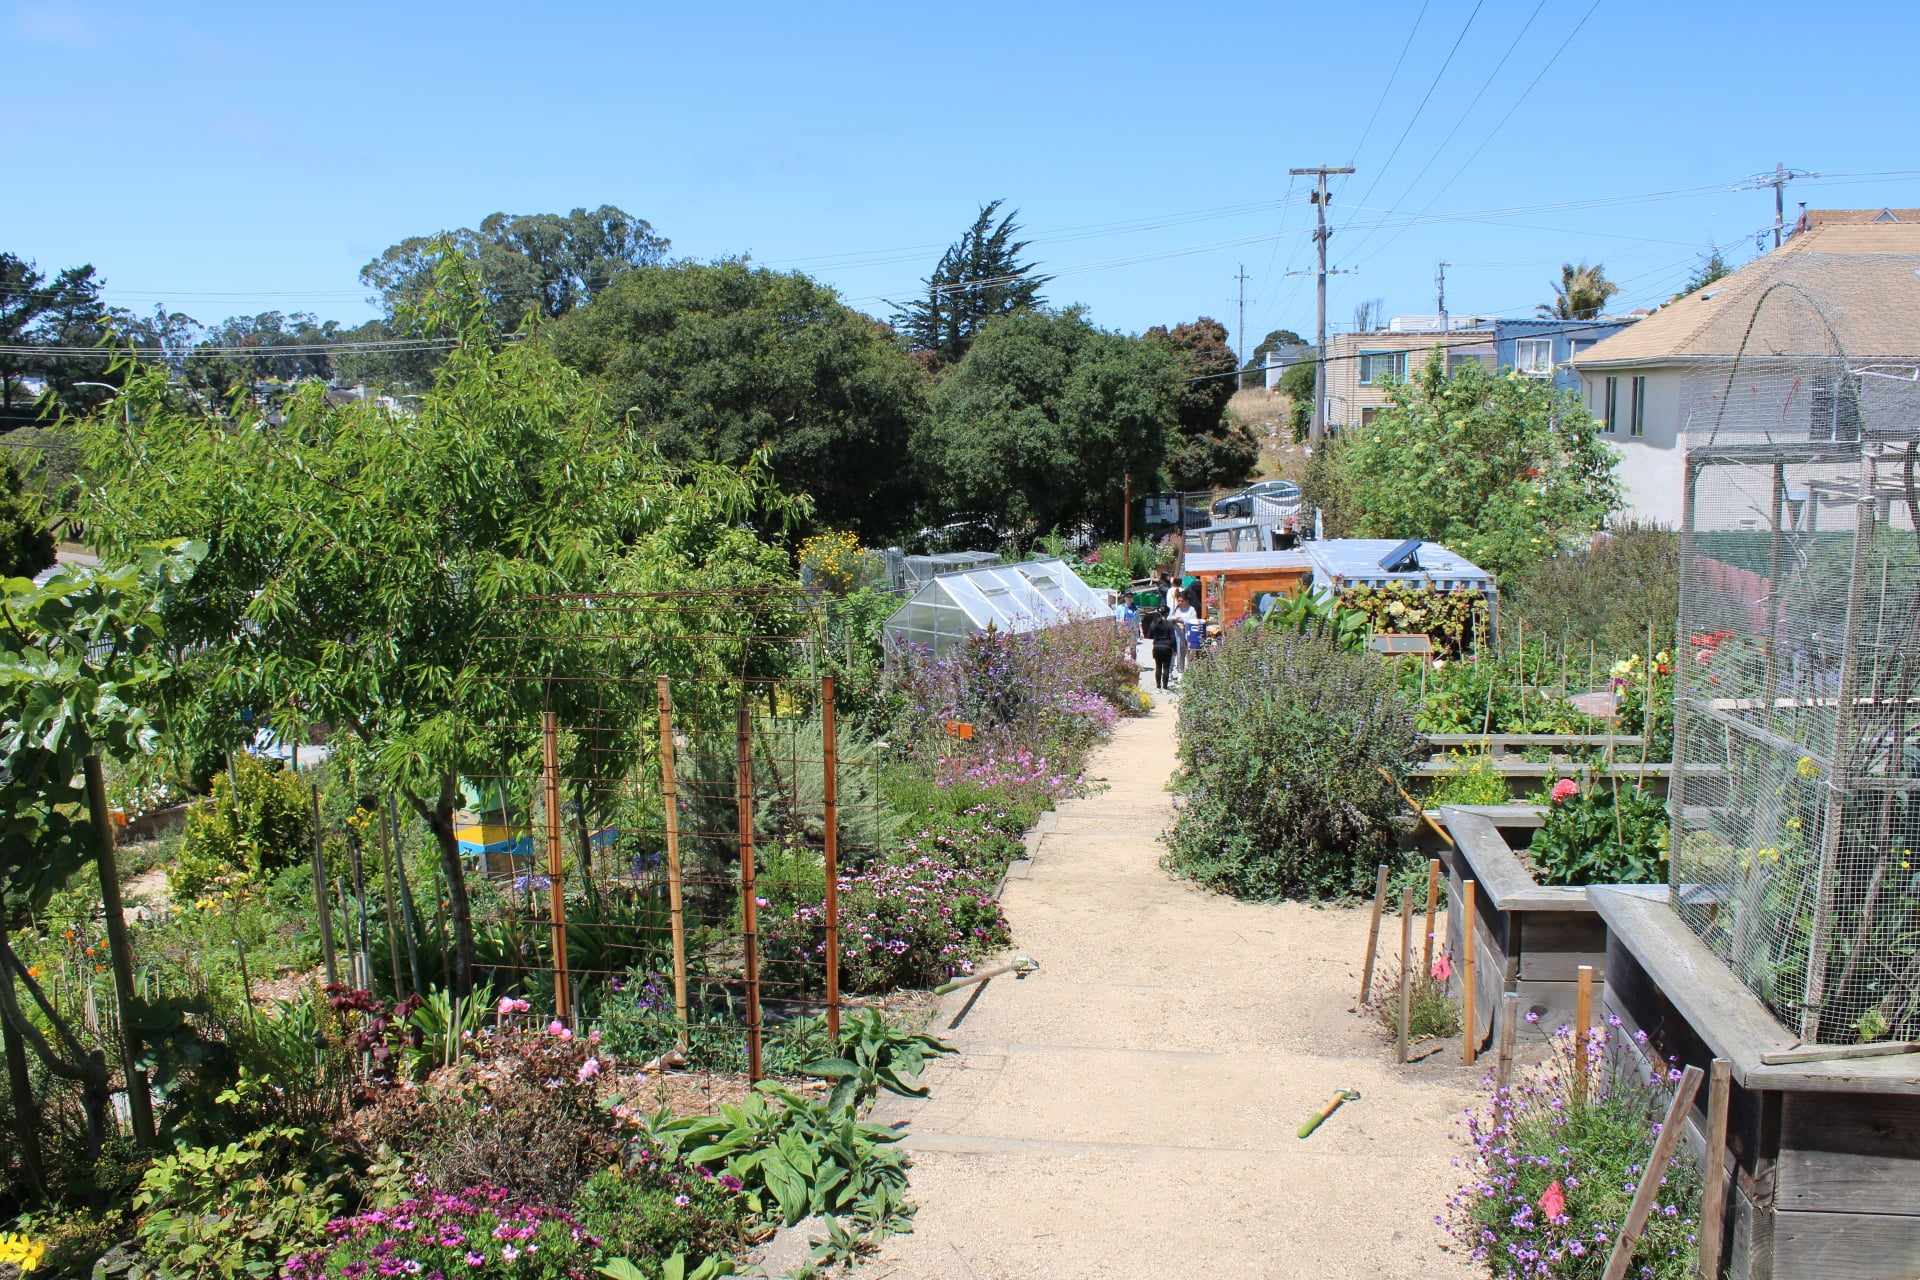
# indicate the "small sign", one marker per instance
pixel 960 729
pixel 1400 642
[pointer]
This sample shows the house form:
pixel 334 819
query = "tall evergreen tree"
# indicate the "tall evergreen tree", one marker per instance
pixel 980 276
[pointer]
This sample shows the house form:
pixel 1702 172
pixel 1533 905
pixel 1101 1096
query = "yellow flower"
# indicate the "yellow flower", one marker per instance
pixel 1793 824
pixel 18 1251
pixel 1768 854
pixel 1807 768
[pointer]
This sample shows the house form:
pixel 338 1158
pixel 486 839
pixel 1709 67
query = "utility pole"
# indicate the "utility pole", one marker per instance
pixel 1242 330
pixel 1778 180
pixel 1440 283
pixel 1320 234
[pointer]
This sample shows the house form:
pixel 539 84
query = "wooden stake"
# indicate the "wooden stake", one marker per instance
pixel 749 914
pixel 670 802
pixel 830 787
pixel 320 904
pixel 1509 1028
pixel 1470 1046
pixel 1373 931
pixel 1636 1223
pixel 1433 901
pixel 120 949
pixel 1713 1193
pixel 1406 963
pixel 1582 1032
pixel 556 886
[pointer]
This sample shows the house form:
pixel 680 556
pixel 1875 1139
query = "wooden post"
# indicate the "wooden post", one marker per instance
pixel 831 794
pixel 1406 963
pixel 1469 1038
pixel 1582 1032
pixel 1373 931
pixel 670 803
pixel 1509 1028
pixel 1713 1192
pixel 1636 1223
pixel 139 1101
pixel 556 889
pixel 1126 524
pixel 320 904
pixel 1433 900
pixel 749 913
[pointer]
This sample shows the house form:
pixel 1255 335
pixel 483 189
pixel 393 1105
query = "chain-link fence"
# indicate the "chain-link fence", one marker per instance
pixel 1796 802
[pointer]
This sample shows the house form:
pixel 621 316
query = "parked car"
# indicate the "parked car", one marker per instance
pixel 969 532
pixel 1272 495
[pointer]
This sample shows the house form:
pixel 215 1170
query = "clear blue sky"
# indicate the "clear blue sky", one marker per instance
pixel 236 158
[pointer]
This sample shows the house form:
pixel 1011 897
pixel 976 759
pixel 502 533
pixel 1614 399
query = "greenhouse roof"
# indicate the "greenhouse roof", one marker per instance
pixel 1356 562
pixel 1030 596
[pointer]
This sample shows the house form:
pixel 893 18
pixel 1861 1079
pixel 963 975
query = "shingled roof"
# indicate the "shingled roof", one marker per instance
pixel 1847 287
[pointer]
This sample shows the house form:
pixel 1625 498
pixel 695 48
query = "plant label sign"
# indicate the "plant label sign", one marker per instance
pixel 960 729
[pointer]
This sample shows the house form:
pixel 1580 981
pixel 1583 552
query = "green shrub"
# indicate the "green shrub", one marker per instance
pixel 1605 593
pixel 1600 833
pixel 1432 1012
pixel 1470 779
pixel 234 1210
pixel 1294 749
pixel 648 1212
pixel 258 819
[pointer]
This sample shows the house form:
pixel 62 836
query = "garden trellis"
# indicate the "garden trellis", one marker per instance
pixel 1796 804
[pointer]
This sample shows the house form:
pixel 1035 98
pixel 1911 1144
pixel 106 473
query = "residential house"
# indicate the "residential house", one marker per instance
pixel 1845 283
pixel 1279 359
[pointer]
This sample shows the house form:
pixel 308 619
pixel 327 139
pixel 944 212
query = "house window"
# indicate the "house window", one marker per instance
pixel 1836 409
pixel 1377 366
pixel 1367 416
pixel 1637 419
pixel 1533 356
pixel 1610 415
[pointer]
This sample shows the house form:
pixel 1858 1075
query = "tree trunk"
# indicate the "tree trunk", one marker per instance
pixel 439 820
pixel 26 1126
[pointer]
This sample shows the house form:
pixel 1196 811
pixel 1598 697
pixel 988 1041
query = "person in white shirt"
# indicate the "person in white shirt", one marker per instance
pixel 1185 619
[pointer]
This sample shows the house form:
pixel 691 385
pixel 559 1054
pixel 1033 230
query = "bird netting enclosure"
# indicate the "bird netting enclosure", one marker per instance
pixel 1796 796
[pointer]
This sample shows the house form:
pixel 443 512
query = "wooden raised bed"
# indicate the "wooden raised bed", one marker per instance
pixel 1529 938
pixel 1823 1158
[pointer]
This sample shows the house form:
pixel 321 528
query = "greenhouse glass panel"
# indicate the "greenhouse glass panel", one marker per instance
pixel 1010 598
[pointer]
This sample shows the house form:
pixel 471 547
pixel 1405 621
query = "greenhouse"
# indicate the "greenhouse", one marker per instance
pixel 1030 596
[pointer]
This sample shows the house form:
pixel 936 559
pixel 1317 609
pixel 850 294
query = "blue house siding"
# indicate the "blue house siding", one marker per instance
pixel 1564 334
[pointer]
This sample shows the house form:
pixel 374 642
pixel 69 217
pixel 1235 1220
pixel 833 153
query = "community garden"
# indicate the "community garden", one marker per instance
pixel 604 899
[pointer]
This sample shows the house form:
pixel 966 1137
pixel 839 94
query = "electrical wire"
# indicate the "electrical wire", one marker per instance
pixel 1393 75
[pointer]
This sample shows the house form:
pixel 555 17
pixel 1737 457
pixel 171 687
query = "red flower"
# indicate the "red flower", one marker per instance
pixel 1553 1201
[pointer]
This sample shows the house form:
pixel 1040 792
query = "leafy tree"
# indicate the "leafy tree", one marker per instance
pixel 162 336
pixel 1502 469
pixel 276 347
pixel 1210 448
pixel 26 546
pixel 380 573
pixel 1296 383
pixel 980 276
pixel 1581 293
pixel 1044 416
pixel 1712 266
pixel 720 361
pixel 1254 372
pixel 35 311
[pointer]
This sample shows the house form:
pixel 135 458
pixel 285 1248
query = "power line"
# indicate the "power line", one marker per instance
pixel 1381 101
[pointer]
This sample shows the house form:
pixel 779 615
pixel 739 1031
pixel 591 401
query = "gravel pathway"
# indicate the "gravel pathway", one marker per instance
pixel 1129 1110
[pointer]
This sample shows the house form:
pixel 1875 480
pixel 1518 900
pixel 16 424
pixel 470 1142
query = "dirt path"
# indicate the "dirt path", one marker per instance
pixel 1130 1109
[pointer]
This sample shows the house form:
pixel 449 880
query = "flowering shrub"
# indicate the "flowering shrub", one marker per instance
pixel 482 1229
pixel 981 838
pixel 908 924
pixel 1552 1178
pixel 1451 619
pixel 1600 834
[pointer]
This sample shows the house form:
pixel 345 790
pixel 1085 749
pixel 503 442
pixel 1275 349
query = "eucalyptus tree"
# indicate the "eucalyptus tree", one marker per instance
pixel 406 577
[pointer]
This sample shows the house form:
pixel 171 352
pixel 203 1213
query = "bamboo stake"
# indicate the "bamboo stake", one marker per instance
pixel 1636 1223
pixel 1713 1192
pixel 1582 1030
pixel 749 914
pixel 120 952
pixel 831 795
pixel 1433 901
pixel 1406 963
pixel 670 802
pixel 1470 1048
pixel 556 888
pixel 1373 931
pixel 1646 709
pixel 1509 1028
pixel 320 903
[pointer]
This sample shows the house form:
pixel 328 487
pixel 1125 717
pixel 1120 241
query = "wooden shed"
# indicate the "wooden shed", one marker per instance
pixel 1240 584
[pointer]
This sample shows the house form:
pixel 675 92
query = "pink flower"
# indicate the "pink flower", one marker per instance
pixel 509 1005
pixel 588 1070
pixel 1442 967
pixel 1565 790
pixel 1553 1201
pixel 559 1028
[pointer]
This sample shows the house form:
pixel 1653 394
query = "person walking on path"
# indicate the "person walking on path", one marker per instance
pixel 1162 632
pixel 1186 625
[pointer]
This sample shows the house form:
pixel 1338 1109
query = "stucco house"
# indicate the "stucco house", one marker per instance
pixel 1844 283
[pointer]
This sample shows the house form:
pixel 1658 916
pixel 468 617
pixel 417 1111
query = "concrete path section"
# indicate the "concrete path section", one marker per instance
pixel 1131 1108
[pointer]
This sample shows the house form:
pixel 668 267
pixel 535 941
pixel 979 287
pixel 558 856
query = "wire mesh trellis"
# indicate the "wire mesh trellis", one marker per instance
pixel 667 765
pixel 1796 803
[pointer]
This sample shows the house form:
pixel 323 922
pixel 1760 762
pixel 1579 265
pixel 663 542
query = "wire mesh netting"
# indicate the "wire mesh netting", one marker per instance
pixel 1796 800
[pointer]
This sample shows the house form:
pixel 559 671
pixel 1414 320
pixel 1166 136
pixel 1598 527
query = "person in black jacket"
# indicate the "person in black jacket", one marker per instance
pixel 1161 632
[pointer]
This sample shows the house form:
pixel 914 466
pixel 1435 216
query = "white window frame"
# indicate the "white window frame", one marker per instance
pixel 1637 408
pixel 1540 365
pixel 1367 375
pixel 1610 405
